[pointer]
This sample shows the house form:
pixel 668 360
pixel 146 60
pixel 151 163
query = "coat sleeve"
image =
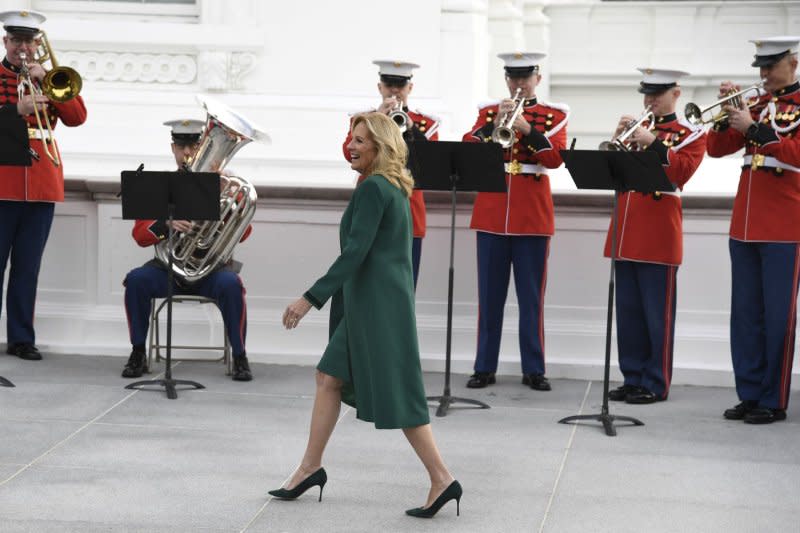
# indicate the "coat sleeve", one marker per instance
pixel 479 130
pixel 547 150
pixel 368 208
pixel 680 165
pixel 724 140
pixel 72 112
pixel 149 232
pixel 347 140
pixel 785 149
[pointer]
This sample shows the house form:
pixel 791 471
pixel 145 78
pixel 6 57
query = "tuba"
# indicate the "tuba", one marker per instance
pixel 210 244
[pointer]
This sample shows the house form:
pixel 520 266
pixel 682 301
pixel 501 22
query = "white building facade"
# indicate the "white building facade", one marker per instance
pixel 298 69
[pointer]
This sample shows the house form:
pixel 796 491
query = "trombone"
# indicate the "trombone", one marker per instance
pixel 504 134
pixel 697 115
pixel 620 142
pixel 60 84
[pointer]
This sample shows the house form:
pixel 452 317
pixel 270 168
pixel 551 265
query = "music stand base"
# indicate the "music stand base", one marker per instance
pixel 446 400
pixel 606 419
pixel 5 383
pixel 168 384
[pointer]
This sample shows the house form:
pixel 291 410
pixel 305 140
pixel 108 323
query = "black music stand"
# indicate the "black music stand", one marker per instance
pixel 15 148
pixel 455 166
pixel 620 172
pixel 169 196
pixel 14 151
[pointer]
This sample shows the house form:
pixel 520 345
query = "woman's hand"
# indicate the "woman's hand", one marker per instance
pixel 294 312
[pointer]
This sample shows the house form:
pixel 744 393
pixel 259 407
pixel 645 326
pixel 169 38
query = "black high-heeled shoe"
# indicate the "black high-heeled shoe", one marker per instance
pixel 317 478
pixel 452 492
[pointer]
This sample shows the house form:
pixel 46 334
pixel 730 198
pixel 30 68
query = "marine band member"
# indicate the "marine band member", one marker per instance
pixel 150 280
pixel 765 232
pixel 27 194
pixel 514 228
pixel 395 87
pixel 650 243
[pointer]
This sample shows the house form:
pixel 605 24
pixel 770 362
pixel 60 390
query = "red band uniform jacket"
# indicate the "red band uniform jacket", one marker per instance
pixel 422 127
pixel 527 206
pixel 149 232
pixel 650 226
pixel 43 181
pixel 767 204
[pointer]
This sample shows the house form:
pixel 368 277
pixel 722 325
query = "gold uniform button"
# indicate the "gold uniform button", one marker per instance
pixel 549 115
pixel 488 119
pixel 548 123
pixel 516 150
pixel 778 170
pixel 490 112
pixel 423 122
pixel 422 129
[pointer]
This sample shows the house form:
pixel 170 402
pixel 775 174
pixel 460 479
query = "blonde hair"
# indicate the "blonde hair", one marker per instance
pixel 392 152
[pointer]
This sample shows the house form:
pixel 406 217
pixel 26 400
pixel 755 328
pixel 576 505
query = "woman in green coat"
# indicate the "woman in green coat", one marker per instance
pixel 372 358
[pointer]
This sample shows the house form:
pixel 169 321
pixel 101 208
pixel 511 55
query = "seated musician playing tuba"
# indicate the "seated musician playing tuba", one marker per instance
pixel 27 193
pixel 150 280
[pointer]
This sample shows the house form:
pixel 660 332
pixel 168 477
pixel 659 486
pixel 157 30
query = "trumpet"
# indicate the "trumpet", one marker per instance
pixel 400 117
pixel 697 115
pixel 504 133
pixel 620 142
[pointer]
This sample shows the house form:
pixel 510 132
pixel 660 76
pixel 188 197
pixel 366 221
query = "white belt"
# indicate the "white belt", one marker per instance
pixel 760 160
pixel 35 133
pixel 524 168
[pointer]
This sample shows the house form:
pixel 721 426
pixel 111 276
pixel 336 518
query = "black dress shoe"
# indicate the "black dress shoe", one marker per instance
pixel 136 365
pixel 536 381
pixel 764 415
pixel 620 393
pixel 241 369
pixel 640 395
pixel 738 412
pixel 479 380
pixel 24 351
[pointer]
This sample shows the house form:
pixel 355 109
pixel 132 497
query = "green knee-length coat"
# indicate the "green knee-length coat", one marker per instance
pixel 373 343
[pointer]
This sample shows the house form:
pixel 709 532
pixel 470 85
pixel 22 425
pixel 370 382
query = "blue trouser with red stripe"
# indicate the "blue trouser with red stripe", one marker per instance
pixel 764 278
pixel 416 253
pixel 496 255
pixel 645 294
pixel 24 228
pixel 223 286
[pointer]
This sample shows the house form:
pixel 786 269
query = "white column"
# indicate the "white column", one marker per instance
pixel 536 27
pixel 463 81
pixel 506 35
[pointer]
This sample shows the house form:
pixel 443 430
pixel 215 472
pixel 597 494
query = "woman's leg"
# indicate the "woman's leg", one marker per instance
pixel 324 415
pixel 421 439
